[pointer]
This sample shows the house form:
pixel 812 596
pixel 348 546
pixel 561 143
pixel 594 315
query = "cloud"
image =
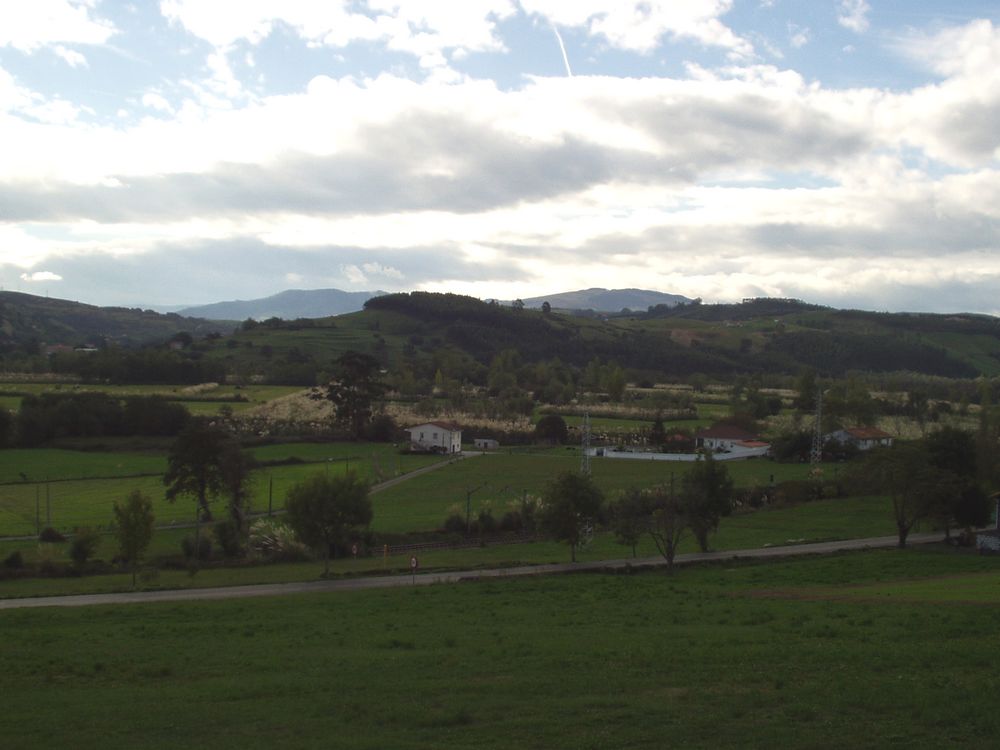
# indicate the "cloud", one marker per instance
pixel 41 276
pixel 853 15
pixel 954 120
pixel 641 26
pixel 71 57
pixel 29 26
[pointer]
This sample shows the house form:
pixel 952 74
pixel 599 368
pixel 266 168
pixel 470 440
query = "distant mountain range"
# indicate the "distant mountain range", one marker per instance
pixel 322 303
pixel 289 305
pixel 607 300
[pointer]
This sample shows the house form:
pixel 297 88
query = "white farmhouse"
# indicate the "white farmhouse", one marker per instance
pixel 865 438
pixel 440 437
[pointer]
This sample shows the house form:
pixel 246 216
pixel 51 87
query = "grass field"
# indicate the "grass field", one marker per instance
pixel 67 489
pixel 707 658
pixel 849 518
pixel 424 502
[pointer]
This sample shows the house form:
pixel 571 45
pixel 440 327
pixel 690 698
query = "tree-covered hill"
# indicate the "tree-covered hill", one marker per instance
pixel 29 320
pixel 429 336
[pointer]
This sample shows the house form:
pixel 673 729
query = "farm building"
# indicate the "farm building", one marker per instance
pixel 486 444
pixel 440 437
pixel 863 438
pixel 724 438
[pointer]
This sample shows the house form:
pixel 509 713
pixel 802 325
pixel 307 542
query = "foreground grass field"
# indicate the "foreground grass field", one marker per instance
pixel 762 655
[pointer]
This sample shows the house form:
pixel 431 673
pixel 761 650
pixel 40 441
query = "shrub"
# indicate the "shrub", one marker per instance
pixel 84 545
pixel 486 522
pixel 51 536
pixel 511 521
pixel 204 550
pixel 455 524
pixel 227 535
pixel 14 561
pixel 274 540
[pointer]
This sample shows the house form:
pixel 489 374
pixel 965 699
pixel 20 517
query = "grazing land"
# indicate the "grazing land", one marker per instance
pixel 861 649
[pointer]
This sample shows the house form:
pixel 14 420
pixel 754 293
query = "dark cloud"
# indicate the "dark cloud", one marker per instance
pixel 247 268
pixel 397 170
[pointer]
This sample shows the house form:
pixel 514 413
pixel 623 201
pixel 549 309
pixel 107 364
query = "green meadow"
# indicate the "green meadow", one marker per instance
pixel 731 655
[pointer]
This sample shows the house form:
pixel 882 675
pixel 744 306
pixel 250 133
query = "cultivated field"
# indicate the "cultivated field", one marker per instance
pixel 857 650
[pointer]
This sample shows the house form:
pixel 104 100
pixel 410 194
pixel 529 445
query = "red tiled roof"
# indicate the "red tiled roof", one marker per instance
pixel 450 426
pixel 867 433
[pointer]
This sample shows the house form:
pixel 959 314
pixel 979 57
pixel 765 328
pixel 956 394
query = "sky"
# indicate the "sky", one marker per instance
pixel 844 152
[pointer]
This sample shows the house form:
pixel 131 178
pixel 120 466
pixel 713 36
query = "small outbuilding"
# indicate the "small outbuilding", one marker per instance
pixel 486 444
pixel 436 437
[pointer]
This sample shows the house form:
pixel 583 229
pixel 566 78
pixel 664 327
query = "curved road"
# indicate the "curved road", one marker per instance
pixel 427 579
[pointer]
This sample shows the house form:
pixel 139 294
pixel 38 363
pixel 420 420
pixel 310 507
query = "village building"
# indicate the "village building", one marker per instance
pixel 862 438
pixel 725 438
pixel 486 444
pixel 437 437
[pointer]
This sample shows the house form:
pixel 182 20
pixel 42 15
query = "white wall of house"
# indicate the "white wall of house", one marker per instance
pixel 432 436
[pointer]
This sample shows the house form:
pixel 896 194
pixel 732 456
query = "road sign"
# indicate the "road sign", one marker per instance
pixel 413 563
pixel 354 549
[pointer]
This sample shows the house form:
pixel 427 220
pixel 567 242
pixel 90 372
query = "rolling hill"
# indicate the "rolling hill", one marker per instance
pixel 28 318
pixel 607 300
pixel 289 305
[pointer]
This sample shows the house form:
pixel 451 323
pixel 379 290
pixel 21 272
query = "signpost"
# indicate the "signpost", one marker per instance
pixel 354 550
pixel 414 564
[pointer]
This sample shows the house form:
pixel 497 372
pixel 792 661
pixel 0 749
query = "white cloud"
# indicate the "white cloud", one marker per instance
pixel 853 15
pixel 71 57
pixel 41 276
pixel 641 26
pixel 156 101
pixel 28 26
pixel 798 36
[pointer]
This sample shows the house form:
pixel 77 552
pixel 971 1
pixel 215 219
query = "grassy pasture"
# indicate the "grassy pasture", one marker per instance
pixel 820 520
pixel 701 659
pixel 71 488
pixel 196 399
pixel 424 502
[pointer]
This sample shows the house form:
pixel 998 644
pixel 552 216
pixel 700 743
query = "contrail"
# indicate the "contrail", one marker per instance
pixel 562 47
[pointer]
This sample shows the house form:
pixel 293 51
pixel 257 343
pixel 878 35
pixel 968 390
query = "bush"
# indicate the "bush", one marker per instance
pixel 486 522
pixel 14 561
pixel 511 521
pixel 204 551
pixel 51 535
pixel 273 540
pixel 455 524
pixel 84 545
pixel 227 535
pixel 795 491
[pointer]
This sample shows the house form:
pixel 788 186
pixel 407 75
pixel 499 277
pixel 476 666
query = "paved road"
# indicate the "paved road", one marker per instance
pixel 427 579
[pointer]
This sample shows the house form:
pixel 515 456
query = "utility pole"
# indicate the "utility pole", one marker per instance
pixel 816 454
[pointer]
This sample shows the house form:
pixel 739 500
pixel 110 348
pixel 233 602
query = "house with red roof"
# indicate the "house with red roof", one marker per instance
pixel 436 437
pixel 727 438
pixel 863 438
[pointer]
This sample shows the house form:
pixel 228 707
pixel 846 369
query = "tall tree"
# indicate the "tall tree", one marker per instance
pixel 133 528
pixel 707 496
pixel 916 487
pixel 570 504
pixel 630 516
pixel 194 464
pixel 325 511
pixel 669 521
pixel 354 391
